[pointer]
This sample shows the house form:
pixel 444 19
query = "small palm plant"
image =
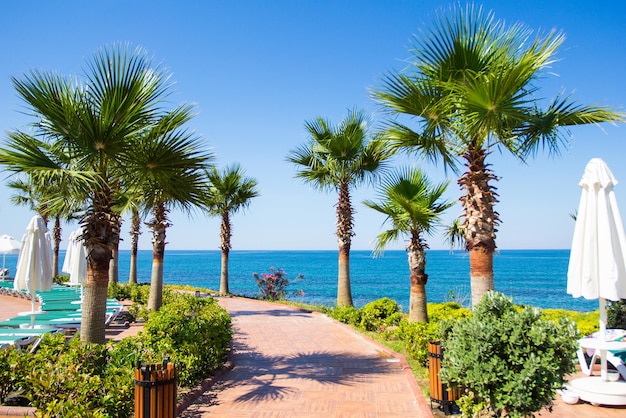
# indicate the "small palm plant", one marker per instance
pixel 413 207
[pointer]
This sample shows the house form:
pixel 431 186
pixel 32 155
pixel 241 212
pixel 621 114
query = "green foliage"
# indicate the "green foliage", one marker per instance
pixel 13 369
pixel 60 279
pixel 587 322
pixel 510 359
pixel 616 314
pixel 416 336
pixel 193 332
pixel 346 314
pixel 447 311
pixel 73 379
pixel 137 293
pixel 379 313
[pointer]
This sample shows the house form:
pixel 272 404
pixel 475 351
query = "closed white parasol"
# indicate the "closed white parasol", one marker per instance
pixel 75 262
pixel 597 268
pixel 34 265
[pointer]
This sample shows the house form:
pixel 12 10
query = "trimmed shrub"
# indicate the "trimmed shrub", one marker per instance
pixel 73 379
pixel 508 359
pixel 346 314
pixel 193 332
pixel 378 313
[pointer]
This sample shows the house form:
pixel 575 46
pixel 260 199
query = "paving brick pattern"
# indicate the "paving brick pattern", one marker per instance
pixel 289 363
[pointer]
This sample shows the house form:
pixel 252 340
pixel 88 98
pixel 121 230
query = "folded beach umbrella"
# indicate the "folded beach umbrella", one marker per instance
pixel 8 245
pixel 75 262
pixel 597 264
pixel 34 264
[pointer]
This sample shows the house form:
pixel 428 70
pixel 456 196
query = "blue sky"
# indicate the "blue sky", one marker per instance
pixel 257 70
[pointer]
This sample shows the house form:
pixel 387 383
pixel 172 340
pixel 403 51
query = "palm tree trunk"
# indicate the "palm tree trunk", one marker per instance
pixel 159 226
pixel 56 233
pixel 94 301
pixel 114 264
pixel 417 265
pixel 132 276
pixel 344 290
pixel 481 221
pixel 135 231
pixel 225 235
pixel 481 273
pixel 155 300
pixel 224 274
pixel 344 237
pixel 100 232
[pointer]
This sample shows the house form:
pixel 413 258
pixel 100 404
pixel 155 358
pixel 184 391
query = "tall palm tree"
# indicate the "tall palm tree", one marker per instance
pixel 413 207
pixel 471 91
pixel 85 130
pixel 169 171
pixel 338 159
pixel 229 192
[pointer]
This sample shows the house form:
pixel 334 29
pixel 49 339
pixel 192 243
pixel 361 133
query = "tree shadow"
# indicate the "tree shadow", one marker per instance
pixel 257 377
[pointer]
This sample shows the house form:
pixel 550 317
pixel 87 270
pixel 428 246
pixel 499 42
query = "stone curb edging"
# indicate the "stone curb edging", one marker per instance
pixel 17 411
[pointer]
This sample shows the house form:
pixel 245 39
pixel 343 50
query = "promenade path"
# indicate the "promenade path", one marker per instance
pixel 291 363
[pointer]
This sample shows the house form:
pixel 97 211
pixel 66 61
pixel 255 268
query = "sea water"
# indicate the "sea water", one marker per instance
pixel 529 277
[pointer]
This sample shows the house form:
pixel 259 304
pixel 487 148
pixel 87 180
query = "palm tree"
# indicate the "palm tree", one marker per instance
pixel 169 172
pixel 413 207
pixel 339 158
pixel 471 91
pixel 229 191
pixel 84 136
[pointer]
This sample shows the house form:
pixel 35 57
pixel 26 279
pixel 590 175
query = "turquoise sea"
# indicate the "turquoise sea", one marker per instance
pixel 532 277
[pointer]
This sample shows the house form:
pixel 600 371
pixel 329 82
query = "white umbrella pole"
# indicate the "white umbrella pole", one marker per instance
pixel 603 319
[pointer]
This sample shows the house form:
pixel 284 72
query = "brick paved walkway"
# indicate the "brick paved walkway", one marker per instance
pixel 289 363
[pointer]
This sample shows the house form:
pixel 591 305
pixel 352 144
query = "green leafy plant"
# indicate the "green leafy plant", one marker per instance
pixel 60 279
pixel 193 332
pixel 616 314
pixel 379 313
pixel 73 379
pixel 273 285
pixel 346 314
pixel 586 322
pixel 508 358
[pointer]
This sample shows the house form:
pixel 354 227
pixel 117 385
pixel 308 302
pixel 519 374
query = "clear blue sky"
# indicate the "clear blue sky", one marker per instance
pixel 258 69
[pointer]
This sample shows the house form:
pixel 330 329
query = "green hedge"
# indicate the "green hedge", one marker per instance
pixel 72 379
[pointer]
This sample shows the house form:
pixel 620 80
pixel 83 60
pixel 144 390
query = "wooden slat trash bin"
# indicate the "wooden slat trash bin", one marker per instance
pixel 155 390
pixel 439 391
